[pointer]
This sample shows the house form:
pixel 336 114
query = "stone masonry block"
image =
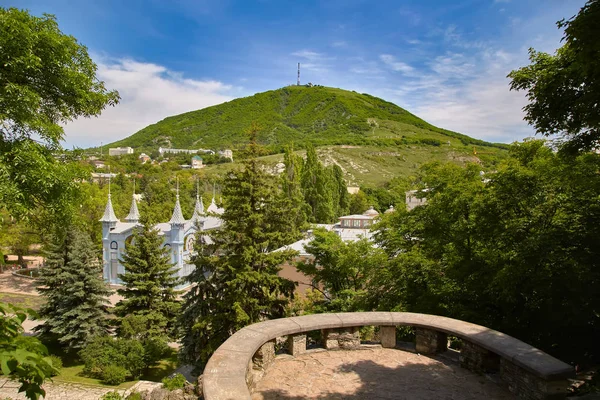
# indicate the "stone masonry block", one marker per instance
pixel 265 355
pixel 297 344
pixel 388 336
pixel 477 359
pixel 430 342
pixel 528 386
pixel 342 338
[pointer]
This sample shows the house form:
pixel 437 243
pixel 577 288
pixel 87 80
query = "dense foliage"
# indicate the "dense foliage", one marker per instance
pixel 149 306
pixel 113 359
pixel 341 271
pixel 76 296
pixel 518 252
pixel 564 88
pixel 47 79
pixel 25 359
pixel 298 114
pixel 235 282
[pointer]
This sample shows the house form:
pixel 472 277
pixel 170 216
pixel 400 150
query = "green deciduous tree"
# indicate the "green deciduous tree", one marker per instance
pixel 518 253
pixel 564 89
pixel 235 282
pixel 76 295
pixel 47 79
pixel 28 362
pixel 341 270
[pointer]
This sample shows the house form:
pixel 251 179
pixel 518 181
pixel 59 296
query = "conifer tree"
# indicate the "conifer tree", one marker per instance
pixel 341 198
pixel 316 188
pixel 76 295
pixel 235 282
pixel 292 199
pixel 149 306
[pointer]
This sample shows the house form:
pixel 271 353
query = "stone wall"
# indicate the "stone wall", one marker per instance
pixel 530 387
pixel 478 359
pixel 240 361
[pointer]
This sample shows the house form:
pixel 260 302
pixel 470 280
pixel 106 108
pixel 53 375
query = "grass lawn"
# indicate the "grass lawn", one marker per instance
pixel 72 373
pixel 23 300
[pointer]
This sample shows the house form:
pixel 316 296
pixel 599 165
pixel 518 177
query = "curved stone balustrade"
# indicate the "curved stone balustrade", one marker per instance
pixel 527 371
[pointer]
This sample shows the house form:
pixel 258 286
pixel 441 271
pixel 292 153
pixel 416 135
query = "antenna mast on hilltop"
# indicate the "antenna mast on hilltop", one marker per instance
pixel 298 83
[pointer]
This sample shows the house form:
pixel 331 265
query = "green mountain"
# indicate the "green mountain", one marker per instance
pixel 321 115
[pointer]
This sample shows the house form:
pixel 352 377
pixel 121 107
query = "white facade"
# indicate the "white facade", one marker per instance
pixel 227 153
pixel 120 151
pixel 164 150
pixel 413 201
pixel 350 229
pixel 197 162
pixel 179 236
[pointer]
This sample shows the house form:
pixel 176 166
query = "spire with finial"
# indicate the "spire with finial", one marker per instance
pixel 109 213
pixel 177 217
pixel 199 207
pixel 134 214
pixel 212 208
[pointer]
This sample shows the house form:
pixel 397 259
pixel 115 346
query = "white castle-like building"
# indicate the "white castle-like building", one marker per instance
pixel 179 235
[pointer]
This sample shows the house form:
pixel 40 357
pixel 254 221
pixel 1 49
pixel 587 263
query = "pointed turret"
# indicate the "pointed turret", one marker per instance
pixel 177 217
pixel 109 214
pixel 134 214
pixel 199 207
pixel 212 208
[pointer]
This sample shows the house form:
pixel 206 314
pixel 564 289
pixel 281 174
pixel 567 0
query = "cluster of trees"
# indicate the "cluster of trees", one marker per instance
pixel 517 251
pixel 112 342
pixel 235 282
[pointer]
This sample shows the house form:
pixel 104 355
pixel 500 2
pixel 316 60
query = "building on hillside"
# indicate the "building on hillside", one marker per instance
pixel 101 177
pixel 353 189
pixel 144 158
pixel 227 153
pixel 415 198
pixel 179 236
pixel 350 228
pixel 164 150
pixel 197 162
pixel 120 151
pixel 98 164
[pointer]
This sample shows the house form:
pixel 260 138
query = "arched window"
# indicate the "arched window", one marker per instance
pixel 128 241
pixel 114 245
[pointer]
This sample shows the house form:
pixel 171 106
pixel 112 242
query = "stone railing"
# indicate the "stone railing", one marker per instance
pixel 240 361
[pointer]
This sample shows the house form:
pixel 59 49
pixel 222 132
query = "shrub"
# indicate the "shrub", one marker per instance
pixel 114 374
pixel 177 381
pixel 134 396
pixel 56 363
pixel 104 351
pixel 111 396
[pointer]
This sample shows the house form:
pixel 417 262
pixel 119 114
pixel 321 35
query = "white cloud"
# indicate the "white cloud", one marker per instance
pixel 149 93
pixel 467 92
pixel 395 65
pixel 309 55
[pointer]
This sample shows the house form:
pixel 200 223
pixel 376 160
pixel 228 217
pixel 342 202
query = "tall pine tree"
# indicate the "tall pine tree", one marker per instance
pixel 235 282
pixel 317 189
pixel 149 306
pixel 76 295
pixel 292 199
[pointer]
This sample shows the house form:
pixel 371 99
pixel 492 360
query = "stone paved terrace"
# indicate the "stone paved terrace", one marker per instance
pixel 239 365
pixel 373 373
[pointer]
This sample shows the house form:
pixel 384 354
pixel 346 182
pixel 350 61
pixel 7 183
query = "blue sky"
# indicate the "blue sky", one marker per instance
pixel 445 61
